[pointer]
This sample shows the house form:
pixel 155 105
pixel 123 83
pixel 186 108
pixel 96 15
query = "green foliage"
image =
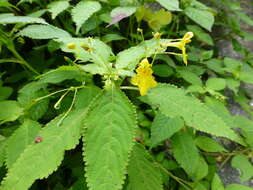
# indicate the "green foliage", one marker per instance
pixel 43 32
pixel 57 7
pixel 11 112
pixel 82 11
pixel 143 172
pixel 46 153
pixel 193 111
pixel 110 123
pixel 171 6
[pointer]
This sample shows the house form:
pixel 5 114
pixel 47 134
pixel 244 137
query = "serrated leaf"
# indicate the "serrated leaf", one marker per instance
pixel 60 74
pixel 40 159
pixel 82 11
pixel 164 127
pixel 57 7
pixel 242 163
pixel 43 32
pixel 216 83
pixel 142 172
pixel 185 152
pixel 174 102
pixel 19 140
pixel 21 19
pixel 110 123
pixel 202 17
pixel 216 183
pixel 171 5
pixel 209 145
pixel 11 112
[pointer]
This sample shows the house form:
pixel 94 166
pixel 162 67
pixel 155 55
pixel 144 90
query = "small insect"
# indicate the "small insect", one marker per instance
pixel 38 139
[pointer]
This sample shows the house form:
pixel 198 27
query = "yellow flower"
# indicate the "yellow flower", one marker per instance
pixel 180 44
pixel 144 79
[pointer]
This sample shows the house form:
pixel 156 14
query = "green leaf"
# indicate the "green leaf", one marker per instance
pixel 172 5
pixel 142 172
pixel 200 34
pixel 110 123
pixel 128 11
pixel 2 152
pixel 21 19
pixel 237 187
pixel 216 83
pixel 174 102
pixel 159 19
pixel 57 7
pixel 42 158
pixel 201 170
pixel 233 84
pixel 85 96
pixel 208 144
pixel 216 65
pixel 88 49
pixel 43 32
pixel 5 92
pixel 185 152
pixel 246 127
pixel 11 112
pixel 164 127
pixel 242 163
pixel 60 74
pixel 216 183
pixel 244 17
pixel 202 17
pixel 82 11
pixel 162 70
pixel 190 77
pixel 112 37
pixel 19 140
pixel 26 98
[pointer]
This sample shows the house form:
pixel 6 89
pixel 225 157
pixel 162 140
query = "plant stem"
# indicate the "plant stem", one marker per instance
pixel 129 88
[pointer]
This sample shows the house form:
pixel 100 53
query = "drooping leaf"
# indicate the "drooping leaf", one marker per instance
pixel 82 11
pixel 202 17
pixel 44 156
pixel 19 140
pixel 242 163
pixel 56 7
pixel 43 32
pixel 142 172
pixel 172 5
pixel 185 152
pixel 21 19
pixel 119 13
pixel 208 144
pixel 108 140
pixel 164 127
pixel 11 111
pixel 174 102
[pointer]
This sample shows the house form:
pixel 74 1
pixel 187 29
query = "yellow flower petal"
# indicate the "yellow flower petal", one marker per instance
pixel 144 79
